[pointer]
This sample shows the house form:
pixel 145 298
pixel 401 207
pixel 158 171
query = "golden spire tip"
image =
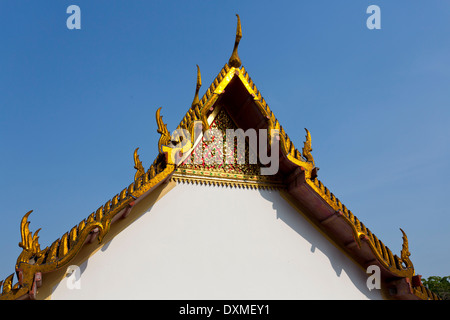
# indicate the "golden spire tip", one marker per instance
pixel 234 60
pixel 196 101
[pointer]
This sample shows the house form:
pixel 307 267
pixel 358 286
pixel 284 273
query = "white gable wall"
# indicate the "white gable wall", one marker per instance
pixel 214 242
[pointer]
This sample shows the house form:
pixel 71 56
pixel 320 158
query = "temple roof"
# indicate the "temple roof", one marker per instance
pixel 234 94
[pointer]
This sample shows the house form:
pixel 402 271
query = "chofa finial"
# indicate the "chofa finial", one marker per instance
pixel 234 59
pixel 138 165
pixel 404 254
pixel 164 139
pixel 196 101
pixel 29 241
pixel 306 151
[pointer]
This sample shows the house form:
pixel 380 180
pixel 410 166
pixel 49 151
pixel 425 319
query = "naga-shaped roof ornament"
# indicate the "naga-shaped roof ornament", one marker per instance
pixel 138 165
pixel 162 129
pixel 404 254
pixel 306 151
pixel 29 242
pixel 196 101
pixel 234 60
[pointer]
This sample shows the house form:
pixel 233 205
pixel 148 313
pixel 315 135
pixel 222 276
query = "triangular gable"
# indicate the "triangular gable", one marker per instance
pixel 232 91
pixel 233 169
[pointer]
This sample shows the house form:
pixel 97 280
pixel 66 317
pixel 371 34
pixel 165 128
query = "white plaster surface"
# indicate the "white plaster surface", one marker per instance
pixel 213 242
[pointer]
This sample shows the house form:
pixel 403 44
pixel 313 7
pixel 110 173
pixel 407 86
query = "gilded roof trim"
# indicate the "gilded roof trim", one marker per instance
pixel 401 267
pixel 220 178
pixel 398 266
pixel 33 261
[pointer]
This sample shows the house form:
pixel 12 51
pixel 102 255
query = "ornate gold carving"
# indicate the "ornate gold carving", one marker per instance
pixel 196 101
pixel 33 260
pixel 195 107
pixel 162 129
pixel 425 294
pixel 238 173
pixel 29 243
pixel 220 86
pixel 156 180
pixel 404 254
pixel 222 122
pixel 361 233
pixel 306 151
pixel 234 60
pixel 200 111
pixel 230 179
pixel 206 179
pixel 138 165
pixel 286 144
pixel 7 285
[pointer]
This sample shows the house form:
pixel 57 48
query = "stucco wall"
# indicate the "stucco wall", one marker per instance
pixel 205 242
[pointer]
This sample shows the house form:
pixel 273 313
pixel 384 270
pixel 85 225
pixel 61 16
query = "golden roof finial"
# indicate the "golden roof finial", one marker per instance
pixel 404 254
pixel 162 129
pixel 29 242
pixel 234 59
pixel 306 151
pixel 138 165
pixel 196 101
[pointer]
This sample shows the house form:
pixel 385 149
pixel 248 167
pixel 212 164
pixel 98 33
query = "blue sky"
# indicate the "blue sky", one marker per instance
pixel 74 104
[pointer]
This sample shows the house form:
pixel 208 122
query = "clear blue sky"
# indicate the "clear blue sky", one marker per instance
pixel 74 104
